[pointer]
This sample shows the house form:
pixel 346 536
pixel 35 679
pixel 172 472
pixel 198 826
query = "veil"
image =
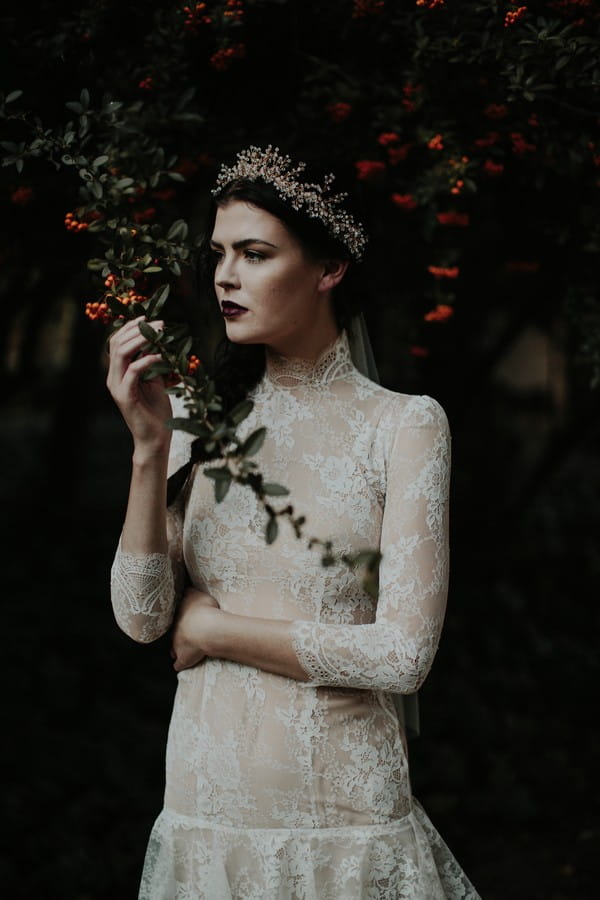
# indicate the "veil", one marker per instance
pixel 407 705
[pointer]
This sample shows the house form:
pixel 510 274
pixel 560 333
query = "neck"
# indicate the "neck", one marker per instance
pixel 309 345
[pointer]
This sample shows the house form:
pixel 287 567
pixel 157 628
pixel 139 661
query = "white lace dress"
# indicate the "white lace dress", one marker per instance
pixel 284 790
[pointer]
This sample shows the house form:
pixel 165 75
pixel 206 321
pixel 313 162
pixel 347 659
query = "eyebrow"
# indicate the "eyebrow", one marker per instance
pixel 239 245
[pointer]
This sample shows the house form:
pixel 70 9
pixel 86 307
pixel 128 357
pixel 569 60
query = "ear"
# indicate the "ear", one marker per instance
pixel 332 273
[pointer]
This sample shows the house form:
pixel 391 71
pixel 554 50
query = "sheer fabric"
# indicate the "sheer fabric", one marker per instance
pixel 284 789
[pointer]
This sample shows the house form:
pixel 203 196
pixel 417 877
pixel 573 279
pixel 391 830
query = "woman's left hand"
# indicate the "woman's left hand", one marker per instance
pixel 196 613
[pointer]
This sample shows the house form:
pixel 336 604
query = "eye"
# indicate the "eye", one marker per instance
pixel 254 256
pixel 216 255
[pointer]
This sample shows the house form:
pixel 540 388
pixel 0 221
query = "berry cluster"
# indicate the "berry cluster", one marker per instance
pixel 364 8
pixel 98 311
pixel 443 271
pixel 73 224
pixel 404 201
pixel 196 16
pixel 453 218
pixel 222 59
pixel 234 10
pixel 193 364
pixel 514 16
pixel 21 196
pixel 338 111
pixel 441 313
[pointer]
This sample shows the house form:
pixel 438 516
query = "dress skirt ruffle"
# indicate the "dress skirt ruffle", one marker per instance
pixel 189 859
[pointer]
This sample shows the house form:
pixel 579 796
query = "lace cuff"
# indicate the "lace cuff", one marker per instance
pixel 370 657
pixel 143 594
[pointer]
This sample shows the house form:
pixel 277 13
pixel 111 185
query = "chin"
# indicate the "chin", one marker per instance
pixel 238 334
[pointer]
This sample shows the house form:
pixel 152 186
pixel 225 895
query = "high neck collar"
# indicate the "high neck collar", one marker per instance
pixel 290 371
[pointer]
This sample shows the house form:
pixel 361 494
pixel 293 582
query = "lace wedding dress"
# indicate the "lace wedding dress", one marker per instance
pixel 284 790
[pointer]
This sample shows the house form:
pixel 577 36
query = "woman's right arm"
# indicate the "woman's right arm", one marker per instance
pixel 147 572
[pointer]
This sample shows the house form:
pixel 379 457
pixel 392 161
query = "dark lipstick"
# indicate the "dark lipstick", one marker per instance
pixel 232 310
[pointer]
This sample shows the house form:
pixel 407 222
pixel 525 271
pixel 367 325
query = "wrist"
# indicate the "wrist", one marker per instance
pixel 214 632
pixel 152 453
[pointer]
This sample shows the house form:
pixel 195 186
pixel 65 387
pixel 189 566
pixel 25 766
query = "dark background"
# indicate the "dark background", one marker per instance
pixel 507 761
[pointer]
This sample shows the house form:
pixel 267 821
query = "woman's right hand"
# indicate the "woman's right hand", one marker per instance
pixel 145 405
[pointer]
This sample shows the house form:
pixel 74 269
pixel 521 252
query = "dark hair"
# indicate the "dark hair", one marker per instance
pixel 239 367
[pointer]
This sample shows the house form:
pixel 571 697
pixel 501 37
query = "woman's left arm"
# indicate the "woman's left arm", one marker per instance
pixel 395 652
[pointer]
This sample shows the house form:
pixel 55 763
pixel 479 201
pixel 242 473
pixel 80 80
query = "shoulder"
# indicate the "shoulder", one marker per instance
pixel 398 410
pixel 416 411
pixel 411 424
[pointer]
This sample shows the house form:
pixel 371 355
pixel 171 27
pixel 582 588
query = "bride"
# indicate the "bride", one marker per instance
pixel 287 767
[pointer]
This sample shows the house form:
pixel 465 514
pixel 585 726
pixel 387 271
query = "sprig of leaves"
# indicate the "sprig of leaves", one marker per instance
pixel 218 434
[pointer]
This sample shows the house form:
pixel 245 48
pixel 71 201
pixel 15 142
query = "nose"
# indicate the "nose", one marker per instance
pixel 226 275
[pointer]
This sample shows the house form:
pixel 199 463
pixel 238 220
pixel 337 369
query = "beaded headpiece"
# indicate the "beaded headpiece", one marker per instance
pixel 315 200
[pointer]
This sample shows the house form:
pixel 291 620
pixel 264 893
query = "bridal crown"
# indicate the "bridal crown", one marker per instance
pixel 315 200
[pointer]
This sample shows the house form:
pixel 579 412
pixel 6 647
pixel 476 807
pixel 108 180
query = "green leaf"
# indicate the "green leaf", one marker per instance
pixel 222 478
pixel 254 442
pixel 123 183
pixel 74 107
pixel 157 368
pixel 97 190
pixel 221 473
pixel 152 269
pixel 157 300
pixel 178 230
pixel 85 98
pixel 14 95
pixel 221 488
pixel 240 412
pixel 100 160
pixel 368 558
pixel 272 530
pixel 175 176
pixel 185 349
pixel 274 490
pixel 189 426
pixel 148 332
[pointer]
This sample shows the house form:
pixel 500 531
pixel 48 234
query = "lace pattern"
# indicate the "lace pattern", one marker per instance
pixel 280 788
pixel 334 362
pixel 145 589
pixel 396 652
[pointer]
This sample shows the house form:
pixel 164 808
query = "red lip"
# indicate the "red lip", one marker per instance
pixel 232 310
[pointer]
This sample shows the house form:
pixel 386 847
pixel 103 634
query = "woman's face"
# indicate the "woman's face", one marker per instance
pixel 268 291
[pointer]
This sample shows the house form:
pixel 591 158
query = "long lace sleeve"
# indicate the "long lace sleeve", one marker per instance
pixel 395 652
pixel 145 588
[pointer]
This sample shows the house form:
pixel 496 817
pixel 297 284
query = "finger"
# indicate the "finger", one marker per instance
pixel 124 348
pixel 123 355
pixel 126 390
pixel 131 331
pixel 122 332
pixel 136 369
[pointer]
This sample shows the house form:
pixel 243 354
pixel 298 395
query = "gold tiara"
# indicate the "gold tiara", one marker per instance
pixel 313 199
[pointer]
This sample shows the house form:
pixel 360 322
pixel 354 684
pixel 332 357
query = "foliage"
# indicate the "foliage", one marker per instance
pixel 469 133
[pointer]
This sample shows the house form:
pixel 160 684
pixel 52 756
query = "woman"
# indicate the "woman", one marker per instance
pixel 287 773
